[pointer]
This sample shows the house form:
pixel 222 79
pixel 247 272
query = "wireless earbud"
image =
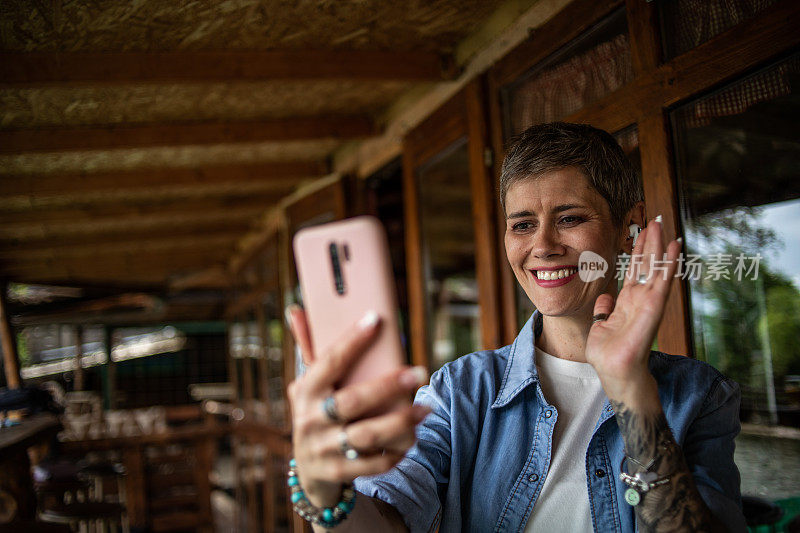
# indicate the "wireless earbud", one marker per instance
pixel 634 230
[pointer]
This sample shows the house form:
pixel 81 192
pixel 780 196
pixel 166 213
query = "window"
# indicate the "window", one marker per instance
pixel 448 242
pixel 592 66
pixel 689 23
pixel 738 162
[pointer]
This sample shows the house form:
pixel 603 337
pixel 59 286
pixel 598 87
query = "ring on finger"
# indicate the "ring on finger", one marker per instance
pixel 642 279
pixel 344 445
pixel 329 408
pixel 599 317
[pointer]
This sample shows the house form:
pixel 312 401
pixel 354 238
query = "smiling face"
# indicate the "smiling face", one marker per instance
pixel 550 220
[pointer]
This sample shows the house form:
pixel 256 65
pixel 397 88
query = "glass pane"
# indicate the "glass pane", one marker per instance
pixel 274 356
pixel 384 200
pixel 628 139
pixel 689 23
pixel 254 350
pixel 738 164
pixel 237 333
pixel 448 248
pixel 592 66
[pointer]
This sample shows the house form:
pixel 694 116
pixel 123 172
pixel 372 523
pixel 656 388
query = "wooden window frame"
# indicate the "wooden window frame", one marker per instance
pixel 463 116
pixel 657 88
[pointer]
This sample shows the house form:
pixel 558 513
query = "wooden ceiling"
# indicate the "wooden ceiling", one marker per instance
pixel 140 141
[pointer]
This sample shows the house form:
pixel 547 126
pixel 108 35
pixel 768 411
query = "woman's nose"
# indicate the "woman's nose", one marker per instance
pixel 546 243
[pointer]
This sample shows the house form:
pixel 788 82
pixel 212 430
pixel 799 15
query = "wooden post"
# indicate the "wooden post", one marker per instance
pixel 205 457
pixel 483 216
pixel 109 371
pixel 78 381
pixel 135 486
pixel 10 358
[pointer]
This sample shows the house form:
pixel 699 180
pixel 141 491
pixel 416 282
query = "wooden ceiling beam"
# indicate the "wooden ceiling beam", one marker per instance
pixel 76 68
pixel 156 280
pixel 150 281
pixel 114 136
pixel 127 198
pixel 79 183
pixel 215 277
pixel 237 226
pixel 144 245
pixel 109 227
pixel 163 262
pixel 144 210
pixel 67 311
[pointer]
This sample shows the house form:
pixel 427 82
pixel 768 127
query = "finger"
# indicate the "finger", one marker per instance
pixel 346 470
pixel 663 284
pixel 604 305
pixel 373 396
pixel 636 263
pixel 331 366
pixel 298 324
pixel 653 248
pixel 392 431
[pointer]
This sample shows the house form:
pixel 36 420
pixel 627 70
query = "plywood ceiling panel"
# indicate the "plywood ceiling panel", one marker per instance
pixel 86 106
pixel 155 25
pixel 169 156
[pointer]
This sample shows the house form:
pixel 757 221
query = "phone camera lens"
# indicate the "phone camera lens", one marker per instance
pixel 338 279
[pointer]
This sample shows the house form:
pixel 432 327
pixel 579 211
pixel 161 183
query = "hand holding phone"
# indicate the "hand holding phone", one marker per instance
pixel 350 336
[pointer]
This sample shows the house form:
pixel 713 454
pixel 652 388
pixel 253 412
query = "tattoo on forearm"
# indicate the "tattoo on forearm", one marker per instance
pixel 677 505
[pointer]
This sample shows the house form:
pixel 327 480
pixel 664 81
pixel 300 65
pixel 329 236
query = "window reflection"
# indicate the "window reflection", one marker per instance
pixel 273 346
pixel 448 242
pixel 689 23
pixel 592 66
pixel 738 163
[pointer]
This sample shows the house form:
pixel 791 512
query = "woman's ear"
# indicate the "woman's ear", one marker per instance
pixel 633 225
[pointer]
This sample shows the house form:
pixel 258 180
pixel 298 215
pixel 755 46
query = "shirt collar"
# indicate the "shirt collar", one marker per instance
pixel 521 367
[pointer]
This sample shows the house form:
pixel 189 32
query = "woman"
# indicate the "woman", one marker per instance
pixel 575 426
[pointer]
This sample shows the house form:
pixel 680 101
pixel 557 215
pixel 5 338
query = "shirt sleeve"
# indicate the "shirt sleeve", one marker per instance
pixel 708 449
pixel 417 484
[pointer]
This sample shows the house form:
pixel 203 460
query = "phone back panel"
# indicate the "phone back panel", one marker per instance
pixel 366 284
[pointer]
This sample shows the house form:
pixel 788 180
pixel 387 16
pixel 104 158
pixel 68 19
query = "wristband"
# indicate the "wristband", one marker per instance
pixel 328 517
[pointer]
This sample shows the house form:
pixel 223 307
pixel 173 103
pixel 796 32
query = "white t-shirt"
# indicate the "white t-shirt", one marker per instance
pixel 575 391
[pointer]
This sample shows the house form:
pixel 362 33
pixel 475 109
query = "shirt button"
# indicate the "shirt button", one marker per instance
pixel 548 414
pixel 600 472
pixel 533 478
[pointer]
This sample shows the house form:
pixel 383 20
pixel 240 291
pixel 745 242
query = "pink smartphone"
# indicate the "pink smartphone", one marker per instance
pixel 345 271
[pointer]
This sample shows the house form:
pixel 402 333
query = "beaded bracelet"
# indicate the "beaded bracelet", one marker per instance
pixel 328 517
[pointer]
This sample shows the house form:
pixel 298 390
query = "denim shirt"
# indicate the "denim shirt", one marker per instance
pixel 482 455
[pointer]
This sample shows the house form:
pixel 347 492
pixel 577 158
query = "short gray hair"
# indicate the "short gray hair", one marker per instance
pixel 552 146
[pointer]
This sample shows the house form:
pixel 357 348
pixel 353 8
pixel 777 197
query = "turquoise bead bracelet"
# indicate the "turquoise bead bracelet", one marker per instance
pixel 327 517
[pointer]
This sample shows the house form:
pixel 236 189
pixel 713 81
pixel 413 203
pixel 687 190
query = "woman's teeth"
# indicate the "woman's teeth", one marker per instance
pixel 555 274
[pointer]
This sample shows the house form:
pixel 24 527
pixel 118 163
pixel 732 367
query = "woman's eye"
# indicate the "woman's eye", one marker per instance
pixel 571 220
pixel 522 226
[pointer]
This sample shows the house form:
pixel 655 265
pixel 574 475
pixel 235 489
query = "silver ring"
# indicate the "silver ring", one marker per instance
pixel 329 408
pixel 642 279
pixel 347 450
pixel 599 317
